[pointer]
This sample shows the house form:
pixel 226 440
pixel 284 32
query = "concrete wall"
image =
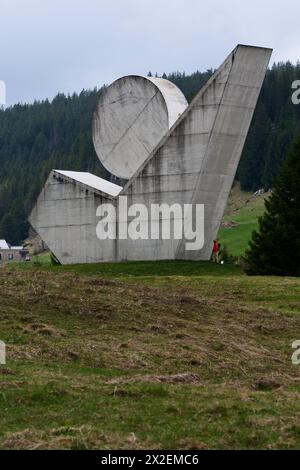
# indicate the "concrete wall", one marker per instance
pixel 65 218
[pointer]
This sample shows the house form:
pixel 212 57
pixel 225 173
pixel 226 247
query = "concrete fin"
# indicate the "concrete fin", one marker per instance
pixel 202 150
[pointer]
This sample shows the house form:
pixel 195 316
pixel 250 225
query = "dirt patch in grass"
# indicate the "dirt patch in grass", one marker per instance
pixel 68 437
pixel 185 378
pixel 43 329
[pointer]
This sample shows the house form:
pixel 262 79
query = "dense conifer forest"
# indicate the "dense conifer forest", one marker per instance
pixel 44 135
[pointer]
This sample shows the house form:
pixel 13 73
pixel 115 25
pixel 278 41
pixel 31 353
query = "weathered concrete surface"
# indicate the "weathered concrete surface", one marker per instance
pixel 195 162
pixel 65 217
pixel 132 116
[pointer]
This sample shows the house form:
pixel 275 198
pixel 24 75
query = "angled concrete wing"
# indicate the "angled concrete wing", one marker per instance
pixel 65 216
pixel 194 164
pixel 196 161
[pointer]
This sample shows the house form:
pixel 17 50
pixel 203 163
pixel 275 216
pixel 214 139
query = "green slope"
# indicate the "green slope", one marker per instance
pixel 244 209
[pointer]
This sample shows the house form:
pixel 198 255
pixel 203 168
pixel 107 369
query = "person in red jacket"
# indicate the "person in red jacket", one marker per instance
pixel 216 250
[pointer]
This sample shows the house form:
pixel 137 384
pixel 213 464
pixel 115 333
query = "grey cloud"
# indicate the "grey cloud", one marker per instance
pixel 67 45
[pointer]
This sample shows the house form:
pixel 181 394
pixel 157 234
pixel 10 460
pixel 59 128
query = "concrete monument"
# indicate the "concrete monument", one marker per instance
pixel 173 156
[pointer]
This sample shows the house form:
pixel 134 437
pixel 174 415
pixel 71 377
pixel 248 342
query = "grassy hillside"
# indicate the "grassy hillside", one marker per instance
pixel 243 209
pixel 148 355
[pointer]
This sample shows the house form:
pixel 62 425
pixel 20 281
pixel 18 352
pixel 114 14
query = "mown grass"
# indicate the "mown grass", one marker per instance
pixel 136 269
pixel 148 355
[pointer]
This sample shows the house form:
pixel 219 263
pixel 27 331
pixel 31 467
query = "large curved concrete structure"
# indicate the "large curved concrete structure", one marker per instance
pixel 132 116
pixel 194 163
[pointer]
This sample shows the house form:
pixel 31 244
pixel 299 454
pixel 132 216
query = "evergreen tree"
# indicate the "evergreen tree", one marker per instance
pixel 275 248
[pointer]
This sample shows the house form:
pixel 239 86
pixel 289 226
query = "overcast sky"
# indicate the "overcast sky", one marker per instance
pixel 50 46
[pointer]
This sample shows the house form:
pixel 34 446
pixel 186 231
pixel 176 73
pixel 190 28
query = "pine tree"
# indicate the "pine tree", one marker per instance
pixel 275 248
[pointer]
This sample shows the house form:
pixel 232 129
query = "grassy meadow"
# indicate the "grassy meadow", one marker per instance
pixel 156 355
pixel 148 355
pixel 243 210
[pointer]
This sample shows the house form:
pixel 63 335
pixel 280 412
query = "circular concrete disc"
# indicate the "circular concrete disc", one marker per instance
pixel 132 116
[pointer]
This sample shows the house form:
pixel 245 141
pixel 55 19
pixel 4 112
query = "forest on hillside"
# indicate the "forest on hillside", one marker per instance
pixel 36 138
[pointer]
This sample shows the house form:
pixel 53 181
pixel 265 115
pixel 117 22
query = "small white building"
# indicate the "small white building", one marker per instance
pixel 10 253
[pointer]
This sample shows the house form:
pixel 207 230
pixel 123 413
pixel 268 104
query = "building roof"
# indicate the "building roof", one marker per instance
pixel 92 181
pixel 3 245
